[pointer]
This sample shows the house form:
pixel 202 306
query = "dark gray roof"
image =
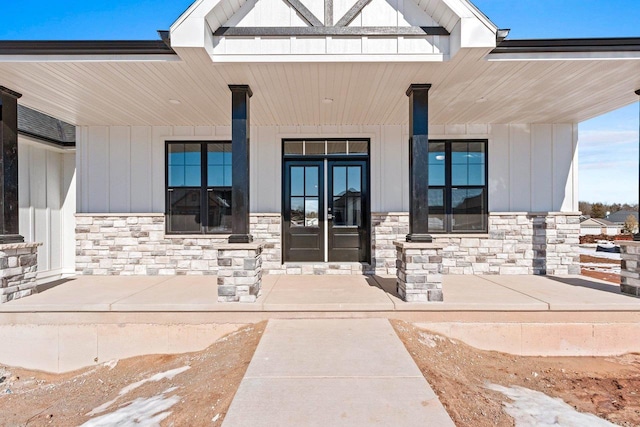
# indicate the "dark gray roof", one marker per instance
pixel 41 126
pixel 621 216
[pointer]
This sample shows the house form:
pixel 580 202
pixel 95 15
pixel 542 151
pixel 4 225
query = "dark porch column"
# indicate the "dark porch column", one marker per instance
pixel 240 95
pixel 636 236
pixel 418 162
pixel 9 230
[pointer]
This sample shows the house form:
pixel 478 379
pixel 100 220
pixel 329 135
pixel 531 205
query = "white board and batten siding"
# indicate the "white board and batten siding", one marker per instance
pixel 278 13
pixel 47 204
pixel 532 168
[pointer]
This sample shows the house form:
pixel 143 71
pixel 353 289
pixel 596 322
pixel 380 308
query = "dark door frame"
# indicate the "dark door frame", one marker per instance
pixel 325 159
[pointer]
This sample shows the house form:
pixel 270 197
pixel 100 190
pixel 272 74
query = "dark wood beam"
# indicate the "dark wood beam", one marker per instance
pixel 352 13
pixel 240 168
pixel 328 31
pixel 305 13
pixel 9 225
pixel 418 163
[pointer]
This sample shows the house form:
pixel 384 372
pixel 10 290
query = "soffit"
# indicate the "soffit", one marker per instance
pixel 468 89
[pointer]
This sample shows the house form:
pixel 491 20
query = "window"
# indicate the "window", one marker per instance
pixel 457 186
pixel 198 187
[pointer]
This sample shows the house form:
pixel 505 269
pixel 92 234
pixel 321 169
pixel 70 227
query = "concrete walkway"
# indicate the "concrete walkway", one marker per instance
pixel 334 372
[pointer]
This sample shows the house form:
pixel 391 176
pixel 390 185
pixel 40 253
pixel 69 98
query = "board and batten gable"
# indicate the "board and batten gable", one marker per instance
pixel 531 167
pixel 378 13
pixel 47 204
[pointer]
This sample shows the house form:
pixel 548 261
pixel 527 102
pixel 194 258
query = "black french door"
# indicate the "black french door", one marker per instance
pixel 326 220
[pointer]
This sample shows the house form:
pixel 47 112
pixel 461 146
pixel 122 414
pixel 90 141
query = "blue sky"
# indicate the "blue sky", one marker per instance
pixel 608 144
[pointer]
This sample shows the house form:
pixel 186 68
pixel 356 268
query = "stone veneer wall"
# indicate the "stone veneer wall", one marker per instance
pixel 517 243
pixel 630 268
pixel 18 270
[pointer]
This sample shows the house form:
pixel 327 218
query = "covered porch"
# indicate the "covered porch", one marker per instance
pixel 89 320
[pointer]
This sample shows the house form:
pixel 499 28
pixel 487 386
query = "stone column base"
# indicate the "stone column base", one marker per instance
pixel 419 271
pixel 18 269
pixel 630 268
pixel 240 271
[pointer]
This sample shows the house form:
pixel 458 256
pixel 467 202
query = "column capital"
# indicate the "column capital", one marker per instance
pixel 241 88
pixel 418 86
pixel 638 92
pixel 9 92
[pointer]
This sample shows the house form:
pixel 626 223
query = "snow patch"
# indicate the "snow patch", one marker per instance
pixel 148 412
pixel 157 377
pixel 592 251
pixel 111 364
pixel 532 408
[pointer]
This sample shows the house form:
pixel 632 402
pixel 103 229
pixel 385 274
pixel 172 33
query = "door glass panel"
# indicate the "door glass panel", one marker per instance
pixel 354 180
pixel 297 212
pixel 218 165
pixel 436 209
pixel 358 147
pixel 215 176
pixel 184 165
pixel 468 207
pixel 339 180
pixel 337 147
pixel 311 212
pixel 311 181
pixel 340 211
pixel 192 176
pixel 314 148
pixel 184 210
pixel 219 210
pixel 297 181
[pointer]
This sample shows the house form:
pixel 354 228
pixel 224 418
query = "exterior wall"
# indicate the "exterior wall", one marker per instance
pixel 531 167
pixel 517 243
pixel 47 203
pixel 276 13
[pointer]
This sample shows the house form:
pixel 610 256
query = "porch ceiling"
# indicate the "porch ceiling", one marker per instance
pixel 468 89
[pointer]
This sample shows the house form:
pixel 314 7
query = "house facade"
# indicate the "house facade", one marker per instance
pixel 328 132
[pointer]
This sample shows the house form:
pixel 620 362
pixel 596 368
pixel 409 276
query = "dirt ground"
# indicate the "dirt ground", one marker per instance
pixel 606 387
pixel 597 274
pixel 202 393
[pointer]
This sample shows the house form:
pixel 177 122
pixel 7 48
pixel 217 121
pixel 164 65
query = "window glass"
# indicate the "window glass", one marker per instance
pixel 436 209
pixel 339 180
pixel 311 181
pixel 187 164
pixel 297 181
pixel 457 186
pixel 358 147
pixel 293 147
pixel 219 211
pixel 311 212
pixel 354 180
pixel 337 147
pixel 314 148
pixel 297 212
pixel 468 209
pixel 437 164
pixel 184 210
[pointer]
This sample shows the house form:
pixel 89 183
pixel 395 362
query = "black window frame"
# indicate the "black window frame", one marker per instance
pixel 448 188
pixel 204 189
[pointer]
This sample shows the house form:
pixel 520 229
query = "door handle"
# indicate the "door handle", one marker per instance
pixel 329 217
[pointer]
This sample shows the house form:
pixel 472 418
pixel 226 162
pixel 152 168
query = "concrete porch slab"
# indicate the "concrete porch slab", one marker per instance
pixel 326 293
pixel 570 293
pixel 347 372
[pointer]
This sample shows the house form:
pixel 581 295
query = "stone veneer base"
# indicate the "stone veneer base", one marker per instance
pixel 419 271
pixel 18 270
pixel 239 272
pixel 517 243
pixel 630 268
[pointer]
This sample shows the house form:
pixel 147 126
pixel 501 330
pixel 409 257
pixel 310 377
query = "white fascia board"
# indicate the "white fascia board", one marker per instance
pixel 87 58
pixel 563 56
pixel 190 29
